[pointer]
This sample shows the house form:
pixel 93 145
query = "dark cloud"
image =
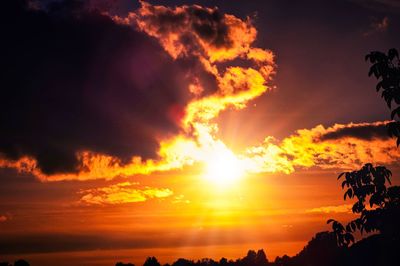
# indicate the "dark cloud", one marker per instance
pixel 40 243
pixel 363 131
pixel 62 242
pixel 208 24
pixel 31 243
pixel 391 6
pixel 378 26
pixel 74 80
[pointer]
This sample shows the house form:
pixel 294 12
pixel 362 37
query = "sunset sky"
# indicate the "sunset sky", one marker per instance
pixel 184 128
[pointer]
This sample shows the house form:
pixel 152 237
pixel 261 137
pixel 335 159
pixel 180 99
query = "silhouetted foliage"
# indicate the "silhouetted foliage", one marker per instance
pixel 377 205
pixel 183 262
pixel 16 263
pixel 368 185
pixel 223 262
pixel 250 258
pixel 151 261
pixel 282 261
pixel 21 263
pixel 124 264
pixel 261 258
pixel 386 68
pixel 206 262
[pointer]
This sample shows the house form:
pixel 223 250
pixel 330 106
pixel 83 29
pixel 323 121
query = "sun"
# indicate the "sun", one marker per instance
pixel 223 168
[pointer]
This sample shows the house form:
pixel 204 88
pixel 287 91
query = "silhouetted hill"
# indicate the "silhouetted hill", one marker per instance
pixel 374 250
pixel 321 248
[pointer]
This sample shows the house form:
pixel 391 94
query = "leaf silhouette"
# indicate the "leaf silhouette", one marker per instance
pixel 394 112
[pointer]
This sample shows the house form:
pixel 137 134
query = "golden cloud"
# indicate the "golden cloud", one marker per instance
pixel 126 192
pixel 342 146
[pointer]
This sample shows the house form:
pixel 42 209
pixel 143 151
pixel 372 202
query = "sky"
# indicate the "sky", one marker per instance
pixel 184 128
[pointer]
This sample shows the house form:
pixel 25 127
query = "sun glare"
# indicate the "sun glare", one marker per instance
pixel 223 168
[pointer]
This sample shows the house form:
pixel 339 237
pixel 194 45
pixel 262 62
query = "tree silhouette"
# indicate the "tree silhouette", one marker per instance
pixel 282 261
pixel 182 262
pixel 16 263
pixel 223 262
pixel 261 258
pixel 386 68
pixel 151 261
pixel 124 264
pixel 250 258
pixel 21 263
pixel 378 207
pixel 255 258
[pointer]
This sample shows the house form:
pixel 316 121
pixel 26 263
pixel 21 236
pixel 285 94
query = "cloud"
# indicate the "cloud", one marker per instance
pixel 381 5
pixel 134 238
pixel 180 199
pixel 342 146
pixel 126 192
pixel 345 208
pixel 377 26
pixel 364 131
pixel 210 37
pixel 77 82
pixel 200 31
pixel 62 242
pixel 99 96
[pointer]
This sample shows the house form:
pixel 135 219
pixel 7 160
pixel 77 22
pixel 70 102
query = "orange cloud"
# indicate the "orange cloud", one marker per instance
pixel 199 31
pixel 345 208
pixel 126 192
pixel 202 33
